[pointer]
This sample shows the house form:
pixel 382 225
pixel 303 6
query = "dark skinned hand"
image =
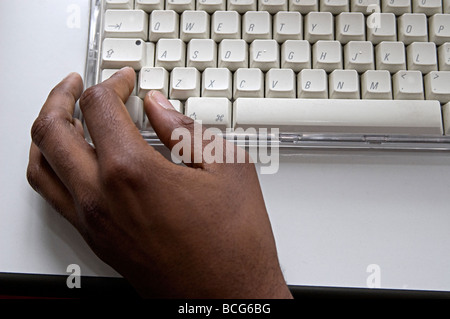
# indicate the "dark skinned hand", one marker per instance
pixel 195 231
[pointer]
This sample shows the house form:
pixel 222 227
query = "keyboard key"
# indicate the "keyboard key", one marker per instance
pixel 217 82
pixel 343 84
pixel 304 6
pixel 118 53
pixel 350 26
pixel 163 24
pixel 248 83
pixel 233 54
pixel 376 85
pixel 287 26
pixel 446 117
pixel 437 86
pixel 264 55
pixel 202 54
pixel 408 85
pixel 397 7
pixel 429 7
pixel 412 27
pixel 107 73
pixel 296 55
pixel 211 6
pixel 319 26
pixel 386 30
pixel 149 5
pixel 359 56
pixel 334 6
pixel 280 83
pixel 339 116
pixel 327 55
pixel 184 83
pixel 170 53
pixel 272 6
pixel 444 57
pixel 194 24
pixel 126 24
pixel 446 6
pixel 213 112
pixel 390 56
pixel 119 4
pixel 422 56
pixel 242 6
pixel 225 25
pixel 135 108
pixel 312 84
pixel 439 28
pixel 153 79
pixel 256 25
pixel 180 5
pixel 365 6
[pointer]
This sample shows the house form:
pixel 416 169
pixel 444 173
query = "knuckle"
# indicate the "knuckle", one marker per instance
pixel 93 95
pixel 42 127
pixel 121 171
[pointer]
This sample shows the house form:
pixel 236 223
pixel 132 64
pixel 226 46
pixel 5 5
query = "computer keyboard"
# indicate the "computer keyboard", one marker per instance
pixel 328 73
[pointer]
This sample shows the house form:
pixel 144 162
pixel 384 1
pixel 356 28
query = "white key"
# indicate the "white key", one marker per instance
pixel 184 83
pixel 437 86
pixel 385 30
pixel 194 24
pixel 233 54
pixel 446 118
pixel 211 6
pixel 135 108
pixel 280 83
pixel 327 55
pixel 397 7
pixel 242 6
pixel 350 26
pixel 119 4
pixel 312 84
pixel 422 56
pixel 272 6
pixel 256 25
pixel 408 85
pixel 201 54
pixel 343 84
pixel 304 6
pixel 334 6
pixel 126 24
pixel 117 53
pixel 364 6
pixel 153 79
pixel 213 112
pixel 429 7
pixel 412 27
pixel 163 24
pixel 296 55
pixel 149 5
pixel 248 83
pixel 376 85
pixel 180 5
pixel 446 4
pixel 264 55
pixel 217 82
pixel 287 26
pixel 390 56
pixel 107 73
pixel 319 26
pixel 444 57
pixel 170 53
pixel 359 56
pixel 225 25
pixel 439 28
pixel 340 116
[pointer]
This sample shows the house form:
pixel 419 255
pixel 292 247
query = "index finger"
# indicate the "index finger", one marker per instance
pixel 109 124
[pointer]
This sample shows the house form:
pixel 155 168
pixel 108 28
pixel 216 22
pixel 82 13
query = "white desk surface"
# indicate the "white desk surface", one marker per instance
pixel 332 216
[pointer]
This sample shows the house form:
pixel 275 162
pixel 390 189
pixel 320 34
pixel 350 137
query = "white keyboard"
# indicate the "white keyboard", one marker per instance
pixel 331 73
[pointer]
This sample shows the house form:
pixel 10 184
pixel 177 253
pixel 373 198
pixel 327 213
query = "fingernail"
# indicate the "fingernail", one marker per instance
pixel 160 99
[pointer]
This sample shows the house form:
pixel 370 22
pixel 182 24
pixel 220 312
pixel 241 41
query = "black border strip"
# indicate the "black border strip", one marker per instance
pixel 18 285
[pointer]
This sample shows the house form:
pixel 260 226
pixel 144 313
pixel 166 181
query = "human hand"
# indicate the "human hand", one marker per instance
pixel 172 231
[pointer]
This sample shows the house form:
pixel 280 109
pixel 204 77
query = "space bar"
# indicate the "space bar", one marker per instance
pixel 340 116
